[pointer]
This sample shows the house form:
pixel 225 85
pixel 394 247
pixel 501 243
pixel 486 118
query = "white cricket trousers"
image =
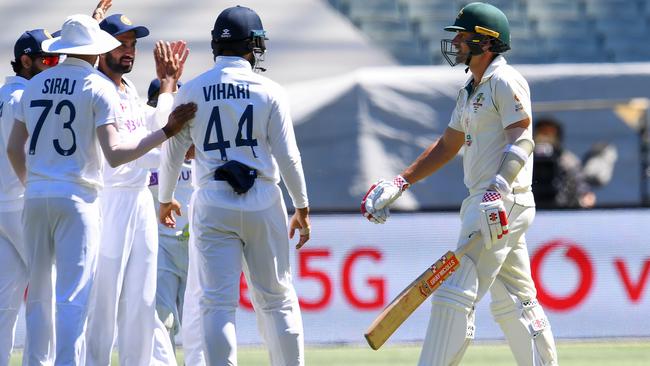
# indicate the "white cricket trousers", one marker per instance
pixel 228 241
pixel 171 282
pixel 125 285
pixel 13 278
pixel 192 327
pixel 65 233
pixel 451 325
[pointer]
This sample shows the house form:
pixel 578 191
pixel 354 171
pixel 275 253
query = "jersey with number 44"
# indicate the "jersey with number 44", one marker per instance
pixel 61 108
pixel 241 116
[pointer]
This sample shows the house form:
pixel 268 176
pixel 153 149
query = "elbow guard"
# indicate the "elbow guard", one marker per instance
pixel 515 157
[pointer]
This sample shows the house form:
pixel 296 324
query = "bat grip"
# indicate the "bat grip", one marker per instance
pixel 469 244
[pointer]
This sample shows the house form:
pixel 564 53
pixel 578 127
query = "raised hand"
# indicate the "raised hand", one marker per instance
pixel 100 10
pixel 180 51
pixel 167 64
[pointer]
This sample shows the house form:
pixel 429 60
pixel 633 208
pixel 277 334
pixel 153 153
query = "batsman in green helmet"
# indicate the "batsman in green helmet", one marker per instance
pixel 481 27
pixel 492 123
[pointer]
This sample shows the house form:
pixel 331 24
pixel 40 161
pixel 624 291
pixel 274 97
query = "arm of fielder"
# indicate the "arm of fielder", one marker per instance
pixel 414 294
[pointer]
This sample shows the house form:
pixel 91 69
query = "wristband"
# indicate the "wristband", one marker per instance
pixel 167 132
pixel 401 183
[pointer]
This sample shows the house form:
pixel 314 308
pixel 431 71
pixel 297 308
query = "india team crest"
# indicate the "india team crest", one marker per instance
pixel 125 20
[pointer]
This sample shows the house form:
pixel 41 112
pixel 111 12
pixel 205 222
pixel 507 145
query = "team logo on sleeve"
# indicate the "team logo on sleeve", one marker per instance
pixel 478 102
pixel 518 105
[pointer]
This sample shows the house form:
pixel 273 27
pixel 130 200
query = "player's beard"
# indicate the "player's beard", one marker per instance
pixel 462 57
pixel 116 65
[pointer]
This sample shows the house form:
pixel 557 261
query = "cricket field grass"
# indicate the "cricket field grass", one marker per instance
pixel 571 353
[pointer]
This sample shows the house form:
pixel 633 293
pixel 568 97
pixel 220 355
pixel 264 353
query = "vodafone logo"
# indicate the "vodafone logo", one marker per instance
pixel 574 253
pixel 631 277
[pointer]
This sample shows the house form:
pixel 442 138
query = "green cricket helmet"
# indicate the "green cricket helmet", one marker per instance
pixel 487 22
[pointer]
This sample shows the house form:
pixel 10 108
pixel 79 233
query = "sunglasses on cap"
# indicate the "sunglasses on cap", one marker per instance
pixel 49 60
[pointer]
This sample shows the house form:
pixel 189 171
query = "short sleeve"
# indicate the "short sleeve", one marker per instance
pixel 455 122
pixel 18 107
pixel 106 106
pixel 512 98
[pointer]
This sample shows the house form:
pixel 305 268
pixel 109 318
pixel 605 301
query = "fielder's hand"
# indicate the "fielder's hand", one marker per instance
pixel 167 211
pixel 300 221
pixel 493 218
pixel 375 204
pixel 100 10
pixel 178 118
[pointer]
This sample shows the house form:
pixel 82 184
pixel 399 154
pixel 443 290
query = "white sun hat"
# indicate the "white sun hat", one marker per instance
pixel 81 35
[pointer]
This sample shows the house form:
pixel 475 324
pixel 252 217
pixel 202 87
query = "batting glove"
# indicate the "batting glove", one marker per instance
pixel 493 218
pixel 376 202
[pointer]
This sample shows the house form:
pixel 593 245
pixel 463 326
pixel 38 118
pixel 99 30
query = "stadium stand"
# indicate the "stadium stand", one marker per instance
pixel 543 31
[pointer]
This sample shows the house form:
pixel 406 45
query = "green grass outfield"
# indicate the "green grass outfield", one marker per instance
pixel 571 353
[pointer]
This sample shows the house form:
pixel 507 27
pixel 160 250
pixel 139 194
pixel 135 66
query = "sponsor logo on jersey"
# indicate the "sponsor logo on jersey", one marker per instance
pixel 478 102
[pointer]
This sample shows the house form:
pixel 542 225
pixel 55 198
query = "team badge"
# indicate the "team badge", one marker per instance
pixel 125 20
pixel 478 102
pixel 518 105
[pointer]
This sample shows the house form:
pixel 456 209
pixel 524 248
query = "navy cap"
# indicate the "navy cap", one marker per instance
pixel 237 23
pixel 29 43
pixel 117 24
pixel 154 88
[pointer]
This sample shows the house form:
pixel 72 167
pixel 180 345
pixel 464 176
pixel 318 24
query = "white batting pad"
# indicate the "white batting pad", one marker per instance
pixel 525 326
pixel 451 325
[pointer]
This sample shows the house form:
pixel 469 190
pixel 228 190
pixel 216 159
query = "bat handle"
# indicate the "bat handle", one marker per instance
pixel 469 244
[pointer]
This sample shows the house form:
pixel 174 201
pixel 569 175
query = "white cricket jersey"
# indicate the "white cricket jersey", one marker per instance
pixel 62 108
pixel 11 190
pixel 182 194
pixel 501 99
pixel 136 121
pixel 241 116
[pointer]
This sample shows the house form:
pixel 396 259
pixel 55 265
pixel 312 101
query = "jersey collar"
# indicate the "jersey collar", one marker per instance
pixel 77 62
pixel 494 65
pixel 15 80
pixel 232 61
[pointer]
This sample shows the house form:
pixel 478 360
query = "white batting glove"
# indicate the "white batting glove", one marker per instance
pixel 375 204
pixel 493 218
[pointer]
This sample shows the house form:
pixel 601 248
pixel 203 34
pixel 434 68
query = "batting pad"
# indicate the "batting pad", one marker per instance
pixel 525 326
pixel 451 325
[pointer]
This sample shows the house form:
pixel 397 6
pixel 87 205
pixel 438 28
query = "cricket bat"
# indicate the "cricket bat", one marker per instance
pixel 412 296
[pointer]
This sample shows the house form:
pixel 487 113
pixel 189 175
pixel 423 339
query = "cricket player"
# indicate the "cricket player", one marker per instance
pixel 68 113
pixel 244 141
pixel 172 243
pixel 492 121
pixel 29 61
pixel 172 256
pixel 125 286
